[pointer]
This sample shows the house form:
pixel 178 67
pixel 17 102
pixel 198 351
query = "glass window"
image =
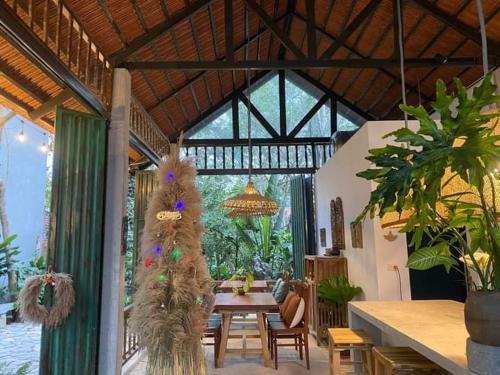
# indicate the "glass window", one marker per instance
pixel 318 125
pixel 298 103
pixel 265 98
pixel 257 130
pixel 220 127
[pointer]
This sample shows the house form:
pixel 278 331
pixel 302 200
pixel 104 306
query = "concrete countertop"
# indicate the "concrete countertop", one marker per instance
pixel 434 328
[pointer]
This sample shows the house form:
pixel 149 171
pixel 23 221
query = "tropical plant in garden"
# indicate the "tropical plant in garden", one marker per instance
pixel 443 179
pixel 8 252
pixel 337 290
pixel 231 244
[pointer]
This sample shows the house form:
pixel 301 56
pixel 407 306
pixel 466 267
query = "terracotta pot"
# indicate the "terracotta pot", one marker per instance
pixel 482 317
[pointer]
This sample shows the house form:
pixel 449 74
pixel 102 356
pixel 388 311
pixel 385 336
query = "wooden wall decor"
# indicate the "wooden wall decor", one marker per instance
pixel 337 223
pixel 357 234
pixel 322 237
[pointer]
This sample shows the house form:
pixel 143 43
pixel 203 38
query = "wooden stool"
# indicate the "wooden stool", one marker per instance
pixel 340 339
pixel 405 359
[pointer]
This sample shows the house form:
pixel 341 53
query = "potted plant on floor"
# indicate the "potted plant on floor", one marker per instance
pixel 334 294
pixel 443 180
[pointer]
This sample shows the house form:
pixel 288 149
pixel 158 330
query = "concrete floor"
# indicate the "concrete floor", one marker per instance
pixel 289 362
pixel 20 344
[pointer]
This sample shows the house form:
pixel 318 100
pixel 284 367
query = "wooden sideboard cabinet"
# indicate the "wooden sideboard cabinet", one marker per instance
pixel 321 315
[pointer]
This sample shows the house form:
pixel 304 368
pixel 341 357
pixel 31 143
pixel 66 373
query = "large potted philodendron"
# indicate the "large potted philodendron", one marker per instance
pixel 443 181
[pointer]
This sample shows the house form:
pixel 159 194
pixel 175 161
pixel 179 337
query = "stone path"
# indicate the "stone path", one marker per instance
pixel 19 344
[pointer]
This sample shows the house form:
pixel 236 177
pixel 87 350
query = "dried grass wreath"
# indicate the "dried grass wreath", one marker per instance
pixel 64 299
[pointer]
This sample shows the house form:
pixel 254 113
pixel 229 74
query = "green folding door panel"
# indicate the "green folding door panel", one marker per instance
pixel 302 222
pixel 145 184
pixel 298 225
pixel 76 240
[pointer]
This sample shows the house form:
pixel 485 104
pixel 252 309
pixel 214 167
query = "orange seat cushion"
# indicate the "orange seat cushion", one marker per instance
pixel 285 304
pixel 291 309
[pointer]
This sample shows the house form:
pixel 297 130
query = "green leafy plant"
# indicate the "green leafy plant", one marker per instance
pixel 7 254
pixel 337 290
pixel 7 267
pixel 247 281
pixel 416 179
pixel 5 369
pixel 35 266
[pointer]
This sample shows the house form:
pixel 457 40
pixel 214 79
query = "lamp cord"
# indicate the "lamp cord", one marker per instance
pixel 484 41
pixel 402 58
pixel 249 96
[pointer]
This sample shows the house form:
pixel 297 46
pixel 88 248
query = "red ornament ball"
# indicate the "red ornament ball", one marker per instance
pixel 148 262
pixel 171 229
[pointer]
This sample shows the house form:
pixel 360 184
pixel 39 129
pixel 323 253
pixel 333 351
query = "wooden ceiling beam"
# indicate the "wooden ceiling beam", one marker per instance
pixel 303 64
pixel 202 74
pixel 228 29
pixel 453 22
pixel 9 74
pixel 311 29
pixel 155 32
pixel 272 25
pixel 349 30
pixel 6 118
pixel 49 105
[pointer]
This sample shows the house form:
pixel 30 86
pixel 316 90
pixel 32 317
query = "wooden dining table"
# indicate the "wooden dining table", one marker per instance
pixel 228 304
pixel 257 286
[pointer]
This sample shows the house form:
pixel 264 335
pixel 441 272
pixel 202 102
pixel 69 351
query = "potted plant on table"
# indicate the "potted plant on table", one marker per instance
pixel 247 281
pixel 443 181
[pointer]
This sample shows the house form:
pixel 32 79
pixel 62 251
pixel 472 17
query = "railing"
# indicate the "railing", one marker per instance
pixel 130 342
pixel 267 158
pixel 58 29
pixel 144 128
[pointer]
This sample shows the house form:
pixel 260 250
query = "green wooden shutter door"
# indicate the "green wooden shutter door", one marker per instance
pixel 76 240
pixel 298 225
pixel 302 222
pixel 145 184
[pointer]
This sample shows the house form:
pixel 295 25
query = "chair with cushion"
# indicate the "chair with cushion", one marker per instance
pixel 281 288
pixel 214 331
pixel 293 325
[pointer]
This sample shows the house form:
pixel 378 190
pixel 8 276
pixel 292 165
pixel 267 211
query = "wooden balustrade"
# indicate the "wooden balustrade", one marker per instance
pixel 130 341
pixel 267 158
pixel 144 128
pixel 58 29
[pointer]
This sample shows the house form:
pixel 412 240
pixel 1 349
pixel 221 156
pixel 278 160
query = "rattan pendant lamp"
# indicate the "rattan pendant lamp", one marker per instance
pixel 250 203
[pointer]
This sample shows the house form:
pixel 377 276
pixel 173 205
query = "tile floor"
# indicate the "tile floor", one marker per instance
pixel 289 362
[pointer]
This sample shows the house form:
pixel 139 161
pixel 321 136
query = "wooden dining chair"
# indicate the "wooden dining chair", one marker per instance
pixel 214 331
pixel 279 329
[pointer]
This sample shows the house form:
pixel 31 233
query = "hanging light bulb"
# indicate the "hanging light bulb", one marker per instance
pixel 44 148
pixel 21 137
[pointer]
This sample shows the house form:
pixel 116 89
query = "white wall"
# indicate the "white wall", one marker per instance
pixel 368 267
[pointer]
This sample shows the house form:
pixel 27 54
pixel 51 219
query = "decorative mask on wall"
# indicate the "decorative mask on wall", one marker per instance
pixel 357 234
pixel 337 222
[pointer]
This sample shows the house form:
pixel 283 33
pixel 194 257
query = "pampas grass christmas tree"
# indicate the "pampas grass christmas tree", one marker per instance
pixel 174 297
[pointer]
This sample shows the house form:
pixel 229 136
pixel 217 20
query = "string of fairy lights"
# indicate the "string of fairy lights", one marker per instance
pixel 45 147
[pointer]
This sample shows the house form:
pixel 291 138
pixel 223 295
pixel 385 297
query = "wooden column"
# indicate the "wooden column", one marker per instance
pixel 76 240
pixel 111 330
